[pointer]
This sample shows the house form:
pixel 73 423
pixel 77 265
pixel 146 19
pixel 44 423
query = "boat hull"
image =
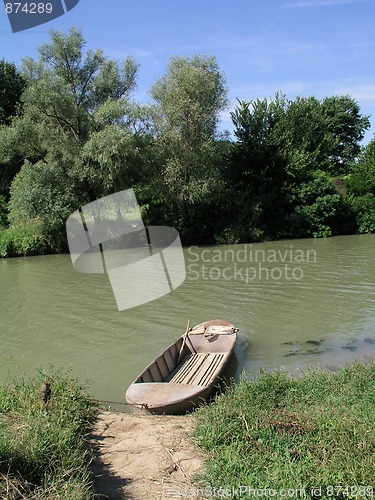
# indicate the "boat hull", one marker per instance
pixel 185 374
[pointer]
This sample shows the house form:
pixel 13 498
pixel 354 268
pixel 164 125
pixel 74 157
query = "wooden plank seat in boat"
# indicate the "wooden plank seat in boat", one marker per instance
pixel 198 369
pixel 185 374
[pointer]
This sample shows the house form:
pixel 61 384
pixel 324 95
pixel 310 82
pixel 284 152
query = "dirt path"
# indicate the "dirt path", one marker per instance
pixel 144 456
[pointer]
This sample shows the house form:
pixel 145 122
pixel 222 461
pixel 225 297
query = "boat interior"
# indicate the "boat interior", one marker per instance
pixel 193 359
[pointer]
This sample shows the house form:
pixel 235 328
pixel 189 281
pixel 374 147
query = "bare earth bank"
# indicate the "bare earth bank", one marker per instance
pixel 144 456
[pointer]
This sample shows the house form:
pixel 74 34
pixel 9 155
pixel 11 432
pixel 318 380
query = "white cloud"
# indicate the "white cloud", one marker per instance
pixel 364 94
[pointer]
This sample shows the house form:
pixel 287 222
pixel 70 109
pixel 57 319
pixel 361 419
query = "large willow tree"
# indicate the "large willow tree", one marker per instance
pixel 75 131
pixel 190 96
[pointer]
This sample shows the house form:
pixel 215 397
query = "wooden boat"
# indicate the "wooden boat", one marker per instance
pixel 186 373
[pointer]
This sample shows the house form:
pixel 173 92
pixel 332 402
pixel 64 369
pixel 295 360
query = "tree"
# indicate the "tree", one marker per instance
pixel 66 91
pixel 362 178
pixel 256 175
pixel 361 189
pixel 189 96
pixel 74 132
pixel 286 158
pixel 347 127
pixel 11 87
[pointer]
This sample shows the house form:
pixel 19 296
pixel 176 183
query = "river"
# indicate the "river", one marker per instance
pixel 297 303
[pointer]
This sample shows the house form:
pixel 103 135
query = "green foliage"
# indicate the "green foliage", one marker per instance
pixel 107 161
pixel 12 85
pixel 43 454
pixel 24 239
pixel 360 184
pixel 295 169
pixel 317 206
pixel 28 186
pixel 3 212
pixel 364 209
pixel 40 193
pixel 66 89
pixel 285 162
pixel 346 127
pixel 227 237
pixel 189 96
pixel 362 178
pixel 73 134
pixel 257 173
pixel 296 433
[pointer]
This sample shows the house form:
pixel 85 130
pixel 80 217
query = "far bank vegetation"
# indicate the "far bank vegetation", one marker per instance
pixel 70 133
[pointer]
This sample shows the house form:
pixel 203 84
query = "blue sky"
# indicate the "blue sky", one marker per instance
pixel 298 47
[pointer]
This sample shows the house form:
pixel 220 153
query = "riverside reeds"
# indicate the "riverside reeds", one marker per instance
pixel 277 434
pixel 43 452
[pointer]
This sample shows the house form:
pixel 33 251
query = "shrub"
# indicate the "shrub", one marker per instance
pixel 364 208
pixel 25 239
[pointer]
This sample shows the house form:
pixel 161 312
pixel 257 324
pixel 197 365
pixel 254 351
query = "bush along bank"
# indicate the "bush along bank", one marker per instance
pixel 277 436
pixel 42 447
pixel 295 168
pixel 25 239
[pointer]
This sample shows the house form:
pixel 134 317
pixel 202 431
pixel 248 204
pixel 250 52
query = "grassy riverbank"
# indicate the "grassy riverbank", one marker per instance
pixel 279 432
pixel 276 432
pixel 43 453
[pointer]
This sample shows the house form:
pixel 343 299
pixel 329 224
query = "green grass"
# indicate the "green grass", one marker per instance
pixel 43 454
pixel 280 432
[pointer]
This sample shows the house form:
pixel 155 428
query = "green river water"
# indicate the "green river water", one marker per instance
pixel 297 304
